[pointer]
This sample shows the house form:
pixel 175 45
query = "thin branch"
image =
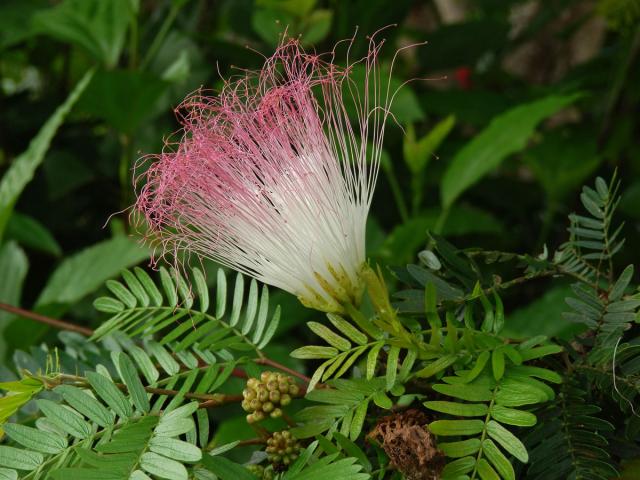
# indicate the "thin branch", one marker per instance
pixel 279 366
pixel 53 322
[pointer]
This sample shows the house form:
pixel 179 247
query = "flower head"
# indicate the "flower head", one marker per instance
pixel 272 178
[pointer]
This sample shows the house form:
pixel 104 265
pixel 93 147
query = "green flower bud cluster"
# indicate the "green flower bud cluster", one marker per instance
pixel 261 472
pixel 282 448
pixel 265 396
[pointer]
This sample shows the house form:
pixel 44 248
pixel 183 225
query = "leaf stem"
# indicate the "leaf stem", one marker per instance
pixel 53 322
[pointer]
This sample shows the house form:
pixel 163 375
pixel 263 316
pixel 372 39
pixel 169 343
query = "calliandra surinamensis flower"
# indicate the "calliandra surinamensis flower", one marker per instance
pixel 272 178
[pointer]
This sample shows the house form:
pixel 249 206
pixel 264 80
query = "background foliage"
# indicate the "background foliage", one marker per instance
pixel 515 106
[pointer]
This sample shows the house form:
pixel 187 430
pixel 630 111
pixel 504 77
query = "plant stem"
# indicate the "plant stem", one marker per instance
pixel 162 33
pixel 53 322
pixel 396 191
pixel 279 366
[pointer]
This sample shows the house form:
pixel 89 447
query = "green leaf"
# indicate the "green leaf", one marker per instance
pixel 458 409
pixel 31 233
pixel 163 467
pixel 8 474
pixel 372 359
pixel 392 366
pixel 499 461
pixel 621 284
pixel 86 271
pixel 226 469
pixel 108 305
pixel 486 471
pixel 96 25
pixel 149 286
pixel 24 166
pixel 238 294
pixel 508 133
pixel 437 366
pixel 107 391
pixel 132 381
pixel 456 427
pixel 122 293
pixel 14 265
pixel 471 393
pixel 11 457
pixel 221 293
pixel 35 439
pixel 175 449
pixel 507 440
pixel 460 449
pixel 418 153
pixel 329 336
pixel 64 418
pixel 347 329
pixel 170 289
pixel 136 287
pixel 314 352
pixel 358 420
pixel 497 364
pixel 86 405
pixel 511 416
pixel 457 468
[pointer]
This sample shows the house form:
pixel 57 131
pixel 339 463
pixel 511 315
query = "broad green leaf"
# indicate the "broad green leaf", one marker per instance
pixel 163 467
pixel 24 166
pixel 64 418
pixel 86 405
pixel 8 474
pixel 98 26
pixel 35 439
pixel 86 271
pixel 458 409
pixel 498 460
pixel 14 265
pixel 507 440
pixel 31 233
pixel 456 427
pixel 107 391
pixel 11 457
pixel 460 449
pixel 132 381
pixel 508 133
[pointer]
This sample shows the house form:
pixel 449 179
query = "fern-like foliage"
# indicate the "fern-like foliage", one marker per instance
pixel 570 443
pixel 138 308
pixel 95 427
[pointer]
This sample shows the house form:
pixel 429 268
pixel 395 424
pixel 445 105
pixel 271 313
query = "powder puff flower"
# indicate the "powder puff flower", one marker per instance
pixel 272 178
